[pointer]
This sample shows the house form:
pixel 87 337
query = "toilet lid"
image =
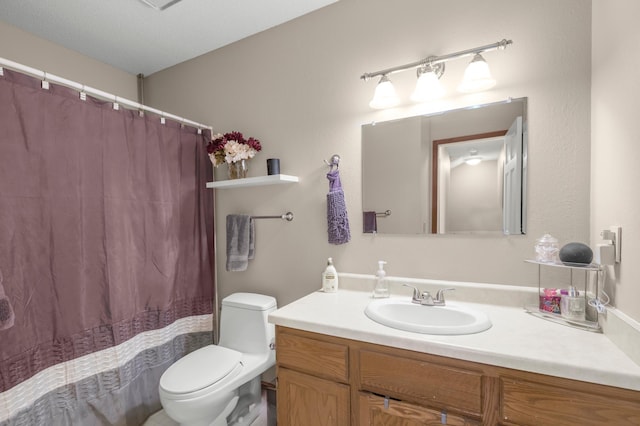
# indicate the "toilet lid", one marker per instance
pixel 200 369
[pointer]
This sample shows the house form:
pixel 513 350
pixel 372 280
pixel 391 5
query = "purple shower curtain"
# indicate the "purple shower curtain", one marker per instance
pixel 106 254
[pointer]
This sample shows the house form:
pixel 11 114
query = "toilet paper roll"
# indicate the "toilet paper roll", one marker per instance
pixel 605 254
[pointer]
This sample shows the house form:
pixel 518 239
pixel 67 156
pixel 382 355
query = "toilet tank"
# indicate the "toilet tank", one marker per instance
pixel 244 324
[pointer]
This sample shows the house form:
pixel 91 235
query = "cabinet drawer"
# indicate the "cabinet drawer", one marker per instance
pixel 421 382
pixel 536 404
pixel 323 359
pixel 373 411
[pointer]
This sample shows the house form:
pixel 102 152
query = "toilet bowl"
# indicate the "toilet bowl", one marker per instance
pixel 202 388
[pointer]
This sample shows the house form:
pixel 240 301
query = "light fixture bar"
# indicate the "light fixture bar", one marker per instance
pixel 438 59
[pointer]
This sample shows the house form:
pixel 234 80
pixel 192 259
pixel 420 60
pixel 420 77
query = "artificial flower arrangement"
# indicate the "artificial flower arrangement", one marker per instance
pixel 231 148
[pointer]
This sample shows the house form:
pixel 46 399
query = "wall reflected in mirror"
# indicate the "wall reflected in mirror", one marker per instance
pixel 457 172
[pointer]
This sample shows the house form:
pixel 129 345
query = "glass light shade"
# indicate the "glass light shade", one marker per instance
pixel 428 87
pixel 473 161
pixel 477 76
pixel 385 95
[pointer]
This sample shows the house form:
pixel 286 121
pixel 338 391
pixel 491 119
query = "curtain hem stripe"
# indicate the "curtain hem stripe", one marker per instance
pixel 25 393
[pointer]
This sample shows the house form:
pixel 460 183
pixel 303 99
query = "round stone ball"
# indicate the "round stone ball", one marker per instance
pixel 579 253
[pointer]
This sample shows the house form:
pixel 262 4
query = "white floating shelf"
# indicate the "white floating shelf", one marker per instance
pixel 253 181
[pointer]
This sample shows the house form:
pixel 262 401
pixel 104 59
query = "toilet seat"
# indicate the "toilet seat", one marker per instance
pixel 202 369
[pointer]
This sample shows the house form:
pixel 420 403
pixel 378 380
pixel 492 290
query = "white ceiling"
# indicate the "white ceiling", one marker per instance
pixel 130 35
pixel 488 149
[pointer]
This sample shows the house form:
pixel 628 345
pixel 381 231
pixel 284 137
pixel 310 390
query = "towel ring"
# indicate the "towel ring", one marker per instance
pixel 334 161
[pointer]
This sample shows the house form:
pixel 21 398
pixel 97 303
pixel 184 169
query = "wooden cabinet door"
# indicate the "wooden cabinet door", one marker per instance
pixel 311 401
pixel 560 402
pixel 373 411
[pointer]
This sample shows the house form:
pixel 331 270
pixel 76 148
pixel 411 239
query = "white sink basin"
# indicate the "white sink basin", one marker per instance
pixel 404 315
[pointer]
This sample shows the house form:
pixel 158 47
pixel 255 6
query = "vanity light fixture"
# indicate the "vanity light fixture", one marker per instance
pixel 477 76
pixel 428 86
pixel 385 95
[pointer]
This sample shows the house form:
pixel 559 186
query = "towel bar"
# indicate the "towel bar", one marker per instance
pixel 288 216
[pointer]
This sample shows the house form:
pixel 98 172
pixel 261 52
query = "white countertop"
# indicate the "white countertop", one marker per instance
pixel 516 340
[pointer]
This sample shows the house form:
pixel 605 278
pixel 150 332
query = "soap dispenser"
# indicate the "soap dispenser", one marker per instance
pixel 330 278
pixel 381 289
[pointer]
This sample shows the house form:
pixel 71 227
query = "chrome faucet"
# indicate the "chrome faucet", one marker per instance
pixel 425 298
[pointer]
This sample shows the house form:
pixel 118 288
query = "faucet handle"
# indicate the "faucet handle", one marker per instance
pixel 440 294
pixel 416 293
pixel 421 297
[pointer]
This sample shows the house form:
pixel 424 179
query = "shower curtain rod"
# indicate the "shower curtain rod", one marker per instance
pixel 95 92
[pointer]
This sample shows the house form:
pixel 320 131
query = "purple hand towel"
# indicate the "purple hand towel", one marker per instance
pixel 337 218
pixel 369 222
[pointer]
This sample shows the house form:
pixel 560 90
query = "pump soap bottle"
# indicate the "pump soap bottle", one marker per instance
pixel 330 278
pixel 381 289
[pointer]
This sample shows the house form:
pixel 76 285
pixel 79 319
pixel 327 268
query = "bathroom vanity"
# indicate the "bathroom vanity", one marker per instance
pixel 323 380
pixel 337 367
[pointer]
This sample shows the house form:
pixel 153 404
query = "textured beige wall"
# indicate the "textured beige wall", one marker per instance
pixel 297 88
pixel 615 174
pixel 28 49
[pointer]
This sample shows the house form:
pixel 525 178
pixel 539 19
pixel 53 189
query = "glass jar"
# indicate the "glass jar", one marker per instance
pixel 547 249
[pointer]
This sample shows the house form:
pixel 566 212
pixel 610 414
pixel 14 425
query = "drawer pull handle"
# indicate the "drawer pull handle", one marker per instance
pixel 443 417
pixel 386 402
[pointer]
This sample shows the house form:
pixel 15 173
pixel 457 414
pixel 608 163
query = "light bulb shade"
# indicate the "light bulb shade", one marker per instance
pixel 428 87
pixel 385 95
pixel 473 161
pixel 477 76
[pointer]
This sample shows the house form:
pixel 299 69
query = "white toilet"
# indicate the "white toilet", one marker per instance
pixel 204 387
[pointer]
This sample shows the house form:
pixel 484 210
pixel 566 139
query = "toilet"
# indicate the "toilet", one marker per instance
pixel 222 381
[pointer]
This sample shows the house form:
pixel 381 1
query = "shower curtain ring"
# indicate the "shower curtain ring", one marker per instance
pixel 45 83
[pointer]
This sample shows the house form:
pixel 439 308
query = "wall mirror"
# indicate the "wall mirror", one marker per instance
pixel 456 172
